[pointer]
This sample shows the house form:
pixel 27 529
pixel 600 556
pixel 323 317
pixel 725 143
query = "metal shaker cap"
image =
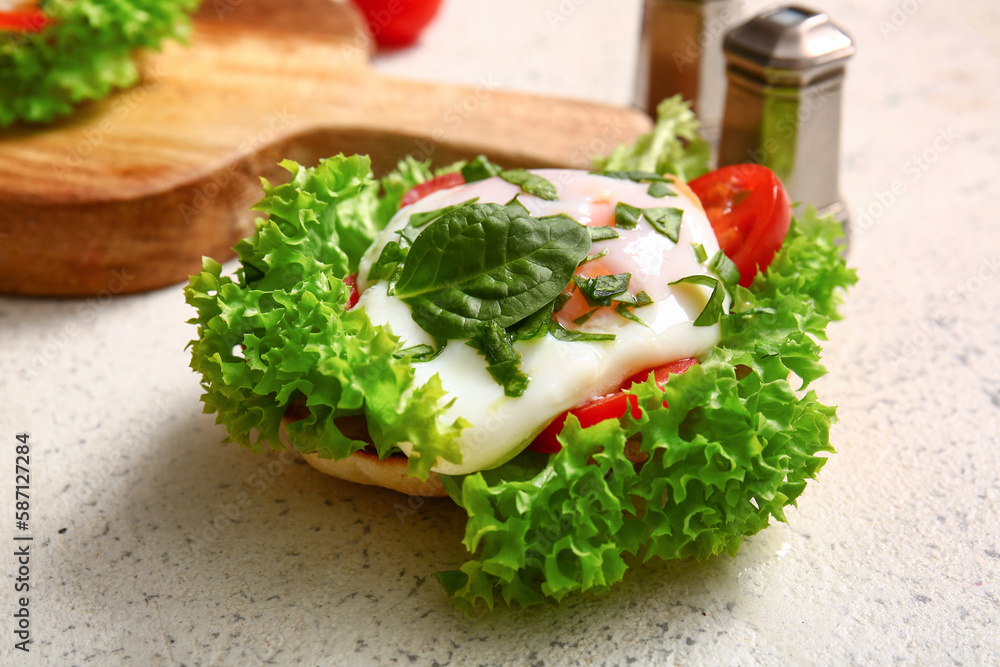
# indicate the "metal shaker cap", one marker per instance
pixel 789 45
pixel 785 70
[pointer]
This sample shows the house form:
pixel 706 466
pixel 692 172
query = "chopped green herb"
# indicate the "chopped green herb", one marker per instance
pixel 601 290
pixel 561 333
pixel 699 252
pixel 625 297
pixel 627 216
pixel 561 301
pixel 713 310
pixel 531 184
pixel 586 316
pixel 479 169
pixel 724 267
pixel 596 255
pixel 635 175
pixel 534 325
pixel 660 189
pixel 642 299
pixel 666 221
pixel 504 361
pixel 421 353
pixel 623 310
pixel 602 233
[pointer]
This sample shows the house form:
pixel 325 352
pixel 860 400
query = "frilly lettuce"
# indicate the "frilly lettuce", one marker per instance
pixel 84 53
pixel 672 147
pixel 278 332
pixel 735 447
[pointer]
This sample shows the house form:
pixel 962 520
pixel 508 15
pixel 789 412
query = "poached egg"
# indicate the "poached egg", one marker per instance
pixel 563 374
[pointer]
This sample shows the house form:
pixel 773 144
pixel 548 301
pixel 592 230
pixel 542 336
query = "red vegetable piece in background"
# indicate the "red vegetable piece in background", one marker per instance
pixel 352 282
pixel 750 212
pixel 611 406
pixel 397 23
pixel 30 20
pixel 442 182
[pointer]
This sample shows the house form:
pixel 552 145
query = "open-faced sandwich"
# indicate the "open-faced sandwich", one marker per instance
pixel 55 54
pixel 595 365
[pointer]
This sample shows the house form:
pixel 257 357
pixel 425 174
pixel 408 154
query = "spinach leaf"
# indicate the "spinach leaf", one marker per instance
pixel 385 266
pixel 477 264
pixel 420 220
pixel 515 208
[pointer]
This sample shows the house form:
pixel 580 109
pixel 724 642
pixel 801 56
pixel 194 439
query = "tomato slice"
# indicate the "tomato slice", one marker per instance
pixel 352 282
pixel 397 23
pixel 750 212
pixel 611 406
pixel 30 20
pixel 442 182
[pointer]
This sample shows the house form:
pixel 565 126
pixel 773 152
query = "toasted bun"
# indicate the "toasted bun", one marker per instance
pixel 364 467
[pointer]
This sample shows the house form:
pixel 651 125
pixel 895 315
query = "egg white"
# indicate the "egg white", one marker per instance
pixel 562 374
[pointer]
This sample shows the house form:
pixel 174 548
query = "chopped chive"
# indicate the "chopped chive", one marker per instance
pixel 699 252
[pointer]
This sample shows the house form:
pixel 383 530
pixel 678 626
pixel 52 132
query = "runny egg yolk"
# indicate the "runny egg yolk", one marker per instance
pixel 563 374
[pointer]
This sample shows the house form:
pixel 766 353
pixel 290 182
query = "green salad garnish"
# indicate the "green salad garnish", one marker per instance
pixel 86 51
pixel 735 447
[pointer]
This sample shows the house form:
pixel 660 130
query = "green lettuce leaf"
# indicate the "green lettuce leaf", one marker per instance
pixel 277 332
pixel 735 447
pixel 83 54
pixel 673 146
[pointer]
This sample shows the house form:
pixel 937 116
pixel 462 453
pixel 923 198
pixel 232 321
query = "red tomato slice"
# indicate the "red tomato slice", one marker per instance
pixel 397 23
pixel 750 213
pixel 31 20
pixel 352 282
pixel 611 406
pixel 442 182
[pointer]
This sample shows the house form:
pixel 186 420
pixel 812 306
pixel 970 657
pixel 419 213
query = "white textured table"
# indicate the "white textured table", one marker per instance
pixel 157 544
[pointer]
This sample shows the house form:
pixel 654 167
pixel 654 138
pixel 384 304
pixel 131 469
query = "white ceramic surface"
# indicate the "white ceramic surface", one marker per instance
pixel 157 544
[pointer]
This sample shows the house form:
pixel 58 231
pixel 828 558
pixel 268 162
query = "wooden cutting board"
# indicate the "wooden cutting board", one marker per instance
pixel 129 193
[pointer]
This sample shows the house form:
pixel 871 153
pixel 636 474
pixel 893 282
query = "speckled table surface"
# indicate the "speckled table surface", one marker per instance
pixel 157 544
